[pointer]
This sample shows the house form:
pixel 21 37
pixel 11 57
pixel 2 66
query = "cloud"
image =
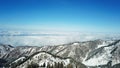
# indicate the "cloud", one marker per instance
pixel 52 38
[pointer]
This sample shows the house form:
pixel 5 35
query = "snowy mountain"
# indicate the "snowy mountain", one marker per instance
pixel 44 59
pixel 104 55
pixel 96 53
pixel 5 49
pixel 76 50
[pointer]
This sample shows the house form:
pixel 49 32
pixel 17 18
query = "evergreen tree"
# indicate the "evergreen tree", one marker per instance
pixel 51 66
pixel 56 65
pixel 69 66
pixel 48 65
pixel 33 65
pixel 62 66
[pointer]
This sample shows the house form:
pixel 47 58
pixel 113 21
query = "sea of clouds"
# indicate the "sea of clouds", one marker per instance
pixel 40 38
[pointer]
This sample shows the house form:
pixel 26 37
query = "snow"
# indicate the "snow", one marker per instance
pixel 4 49
pixel 115 61
pixel 21 58
pixel 102 45
pixel 100 59
pixel 105 43
pixel 75 43
pixel 46 58
pixel 95 61
pixel 118 44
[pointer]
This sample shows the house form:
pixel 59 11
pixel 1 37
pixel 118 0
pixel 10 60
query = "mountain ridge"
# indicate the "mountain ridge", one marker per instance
pixel 77 50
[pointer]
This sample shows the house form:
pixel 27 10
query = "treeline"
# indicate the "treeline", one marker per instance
pixel 55 65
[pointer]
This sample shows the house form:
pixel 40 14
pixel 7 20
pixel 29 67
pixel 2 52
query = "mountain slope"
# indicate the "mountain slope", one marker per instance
pixel 104 55
pixel 46 58
pixel 4 49
pixel 96 53
pixel 76 50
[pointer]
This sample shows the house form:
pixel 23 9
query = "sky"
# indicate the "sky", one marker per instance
pixel 60 15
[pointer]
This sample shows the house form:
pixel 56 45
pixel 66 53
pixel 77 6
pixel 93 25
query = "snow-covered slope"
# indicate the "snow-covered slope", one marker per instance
pixel 4 49
pixel 109 54
pixel 44 59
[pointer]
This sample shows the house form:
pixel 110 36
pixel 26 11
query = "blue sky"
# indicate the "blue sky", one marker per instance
pixel 61 15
